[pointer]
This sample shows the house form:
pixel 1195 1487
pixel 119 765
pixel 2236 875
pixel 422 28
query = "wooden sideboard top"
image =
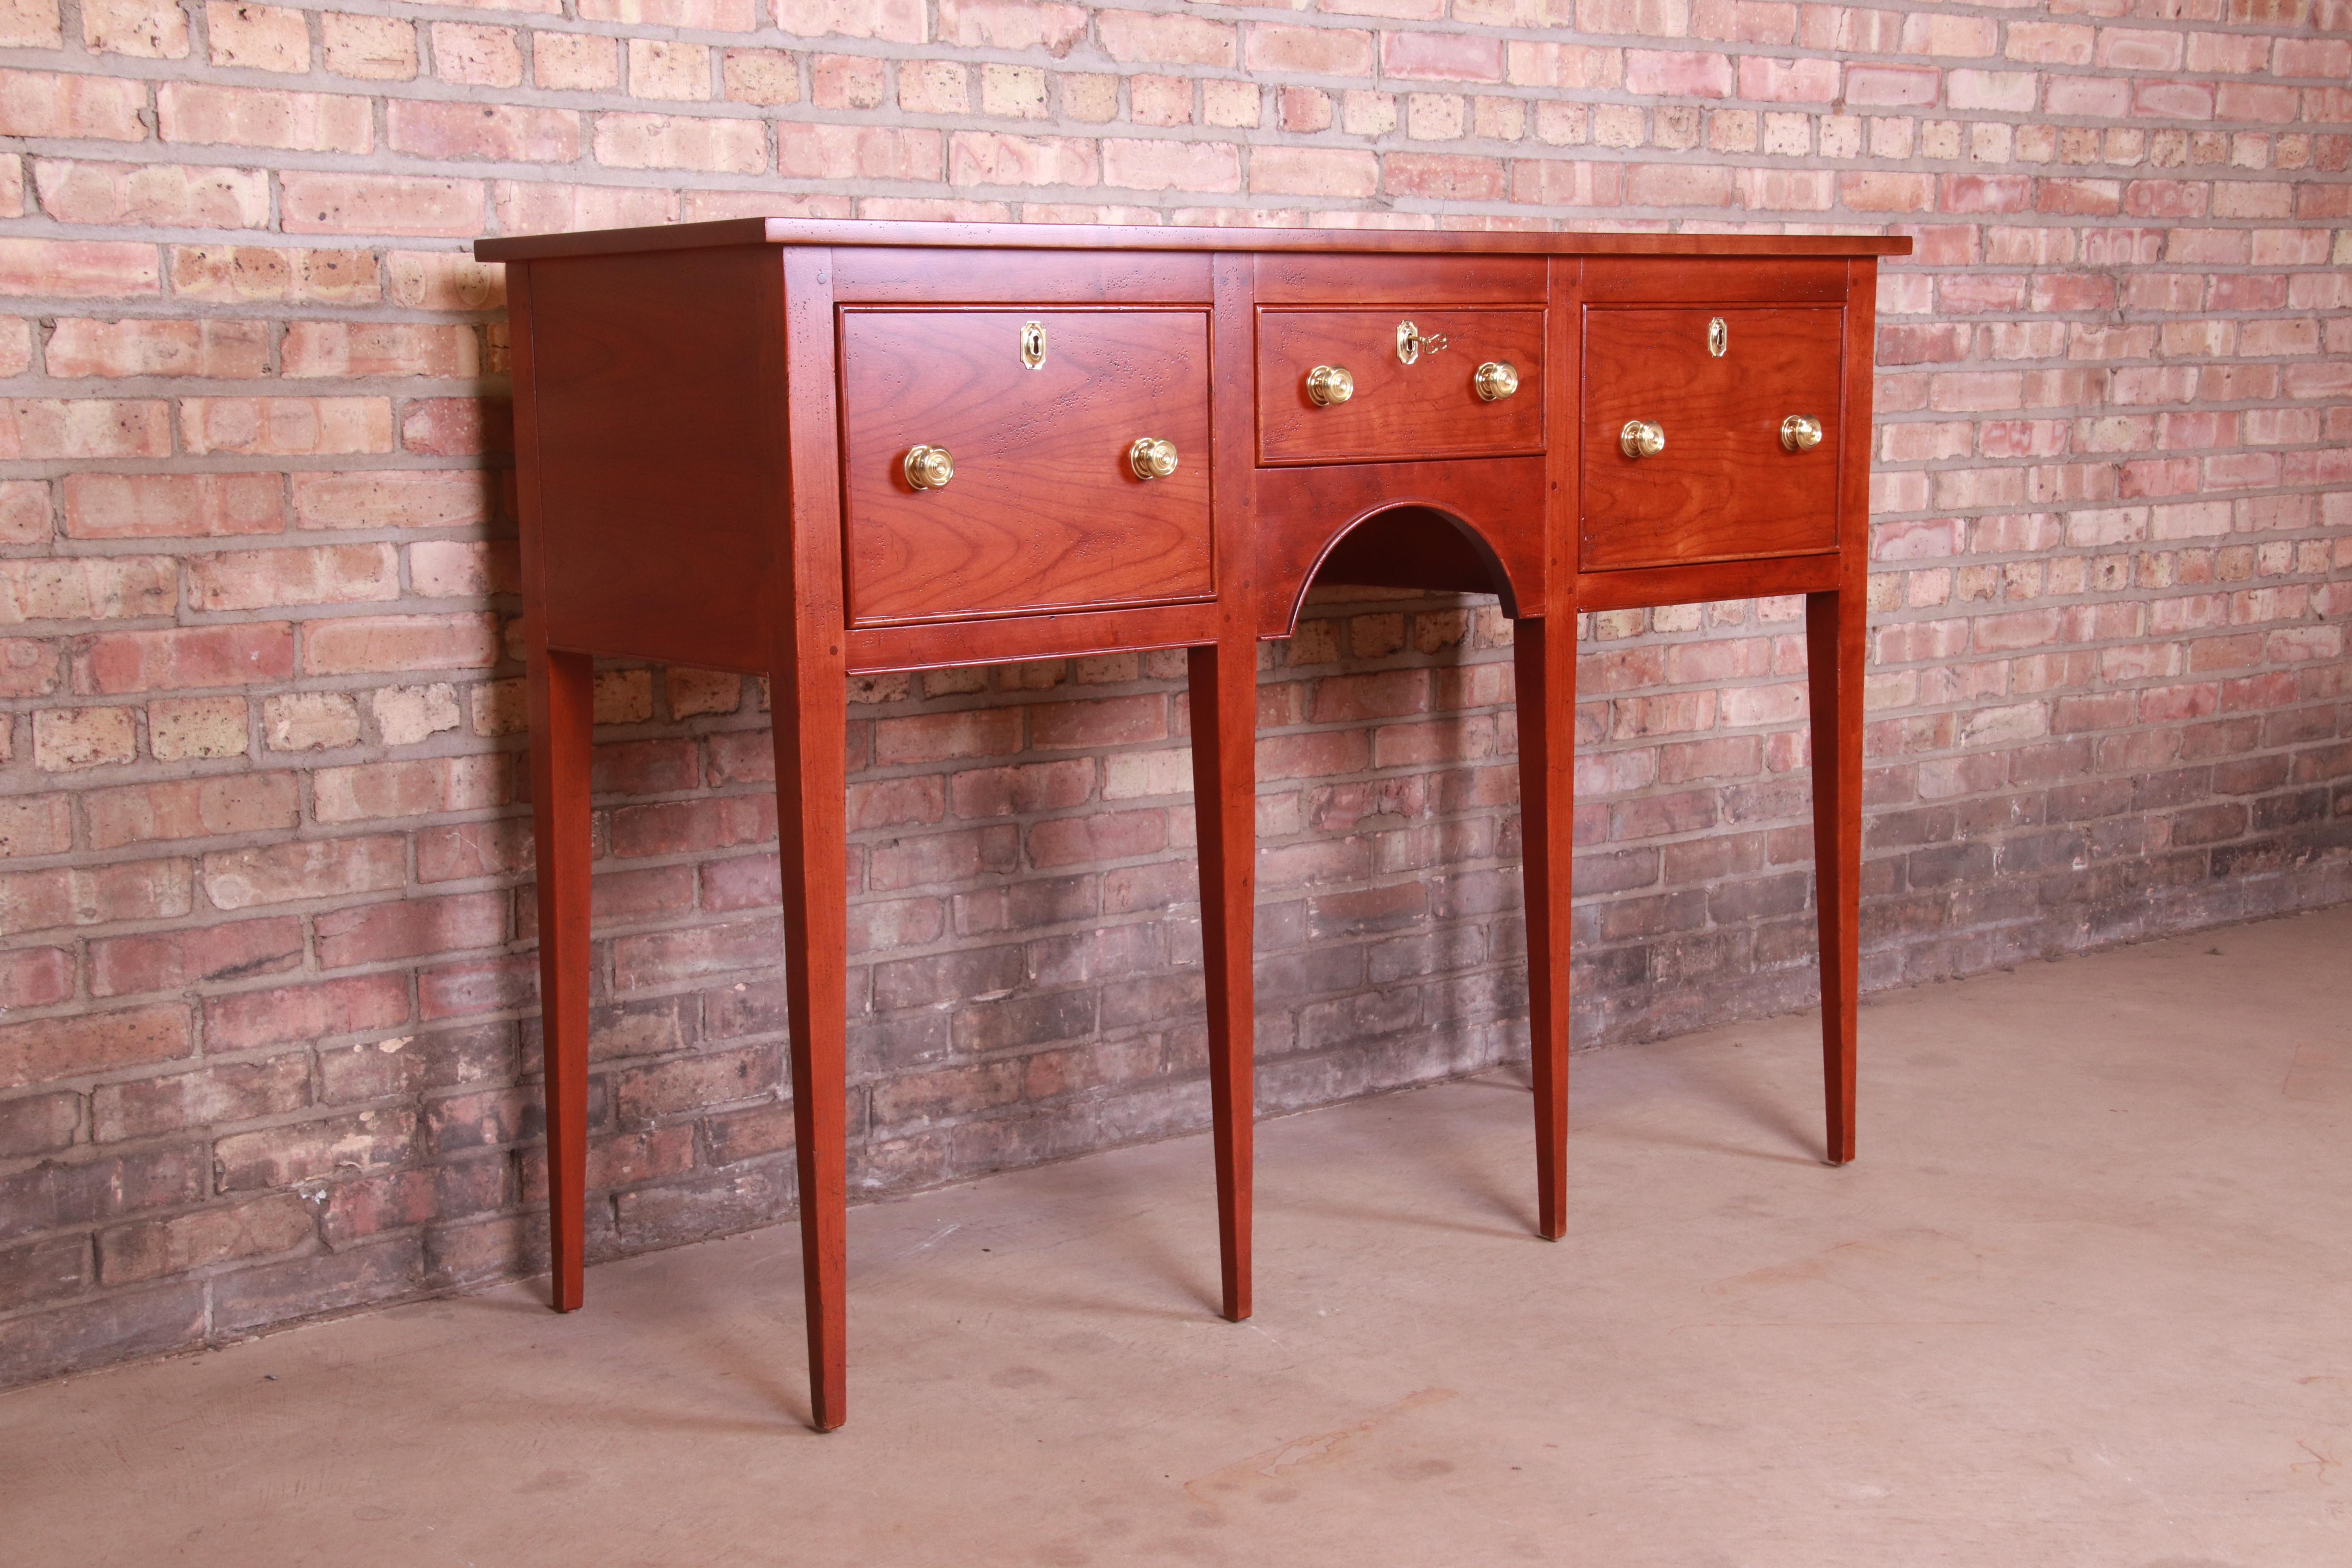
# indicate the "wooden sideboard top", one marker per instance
pixel 1107 236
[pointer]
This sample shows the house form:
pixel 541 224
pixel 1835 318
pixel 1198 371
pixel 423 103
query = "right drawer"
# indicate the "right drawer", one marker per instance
pixel 1710 434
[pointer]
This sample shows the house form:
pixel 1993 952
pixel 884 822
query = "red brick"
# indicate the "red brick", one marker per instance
pixel 152 195
pixel 36 427
pixel 1890 86
pixel 472 849
pixel 167 960
pixel 305 1013
pixel 415 787
pixel 165 506
pixel 1313 172
pixel 681 142
pixel 239 273
pixel 1679 74
pixel 393 499
pixel 35 24
pixel 45 104
pixel 37 1123
pixel 47 1049
pixel 150 1249
pixel 257 36
pixel 190 808
pixel 97 895
pixel 306 869
pixel 392 644
pixel 362 1142
pixel 690 826
pixel 214 349
pixel 1441 56
pixel 262 117
pixel 705 15
pixel 501 133
pixel 1096 836
pixel 1307 51
pixel 455 426
pixel 410 928
pixel 118 662
pixel 1137 37
pixel 1441 177
pixel 374 349
pixel 319 201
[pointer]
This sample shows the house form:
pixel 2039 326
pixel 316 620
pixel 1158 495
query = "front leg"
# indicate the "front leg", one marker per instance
pixel 1543 656
pixel 1833 660
pixel 559 733
pixel 811 736
pixel 1224 682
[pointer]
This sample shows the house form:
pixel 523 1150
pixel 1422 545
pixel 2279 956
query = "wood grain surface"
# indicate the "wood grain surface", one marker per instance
pixel 1401 413
pixel 652 453
pixel 878 274
pixel 1043 512
pixel 1724 488
pixel 1302 514
pixel 1422 282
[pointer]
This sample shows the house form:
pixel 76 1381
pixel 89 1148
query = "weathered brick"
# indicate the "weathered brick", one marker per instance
pixel 263 117
pixel 102 1329
pixel 364 1140
pixel 44 104
pixel 73 1046
pixel 307 868
pixel 319 201
pixel 369 48
pixel 190 808
pixel 152 1248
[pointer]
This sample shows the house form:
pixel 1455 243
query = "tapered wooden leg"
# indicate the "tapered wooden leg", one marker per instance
pixel 560 728
pixel 811 782
pixel 1223 680
pixel 1833 652
pixel 1546 668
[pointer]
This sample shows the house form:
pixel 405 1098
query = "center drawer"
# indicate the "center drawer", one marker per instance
pixel 1046 503
pixel 1412 387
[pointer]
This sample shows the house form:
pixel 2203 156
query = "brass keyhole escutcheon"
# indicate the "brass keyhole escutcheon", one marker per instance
pixel 1033 343
pixel 1642 438
pixel 1718 337
pixel 928 468
pixel 1151 457
pixel 1495 380
pixel 1412 345
pixel 1800 432
pixel 1330 383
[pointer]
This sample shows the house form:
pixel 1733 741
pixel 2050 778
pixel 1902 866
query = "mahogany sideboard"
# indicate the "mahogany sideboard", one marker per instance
pixel 810 449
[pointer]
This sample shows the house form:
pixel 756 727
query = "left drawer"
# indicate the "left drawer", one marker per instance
pixel 1043 501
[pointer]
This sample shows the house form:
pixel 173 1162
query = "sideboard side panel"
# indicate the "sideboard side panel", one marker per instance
pixel 653 476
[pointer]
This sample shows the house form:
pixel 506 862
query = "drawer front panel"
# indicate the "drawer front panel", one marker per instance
pixel 1045 510
pixel 1399 412
pixel 1725 486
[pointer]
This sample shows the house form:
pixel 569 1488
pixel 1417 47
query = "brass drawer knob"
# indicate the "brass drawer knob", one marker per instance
pixel 1330 383
pixel 928 468
pixel 1642 438
pixel 1800 432
pixel 1152 459
pixel 1497 380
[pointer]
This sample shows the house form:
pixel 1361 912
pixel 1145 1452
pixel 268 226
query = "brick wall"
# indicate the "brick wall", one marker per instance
pixel 264 955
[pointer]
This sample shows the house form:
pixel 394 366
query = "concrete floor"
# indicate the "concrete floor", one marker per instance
pixel 2087 1299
